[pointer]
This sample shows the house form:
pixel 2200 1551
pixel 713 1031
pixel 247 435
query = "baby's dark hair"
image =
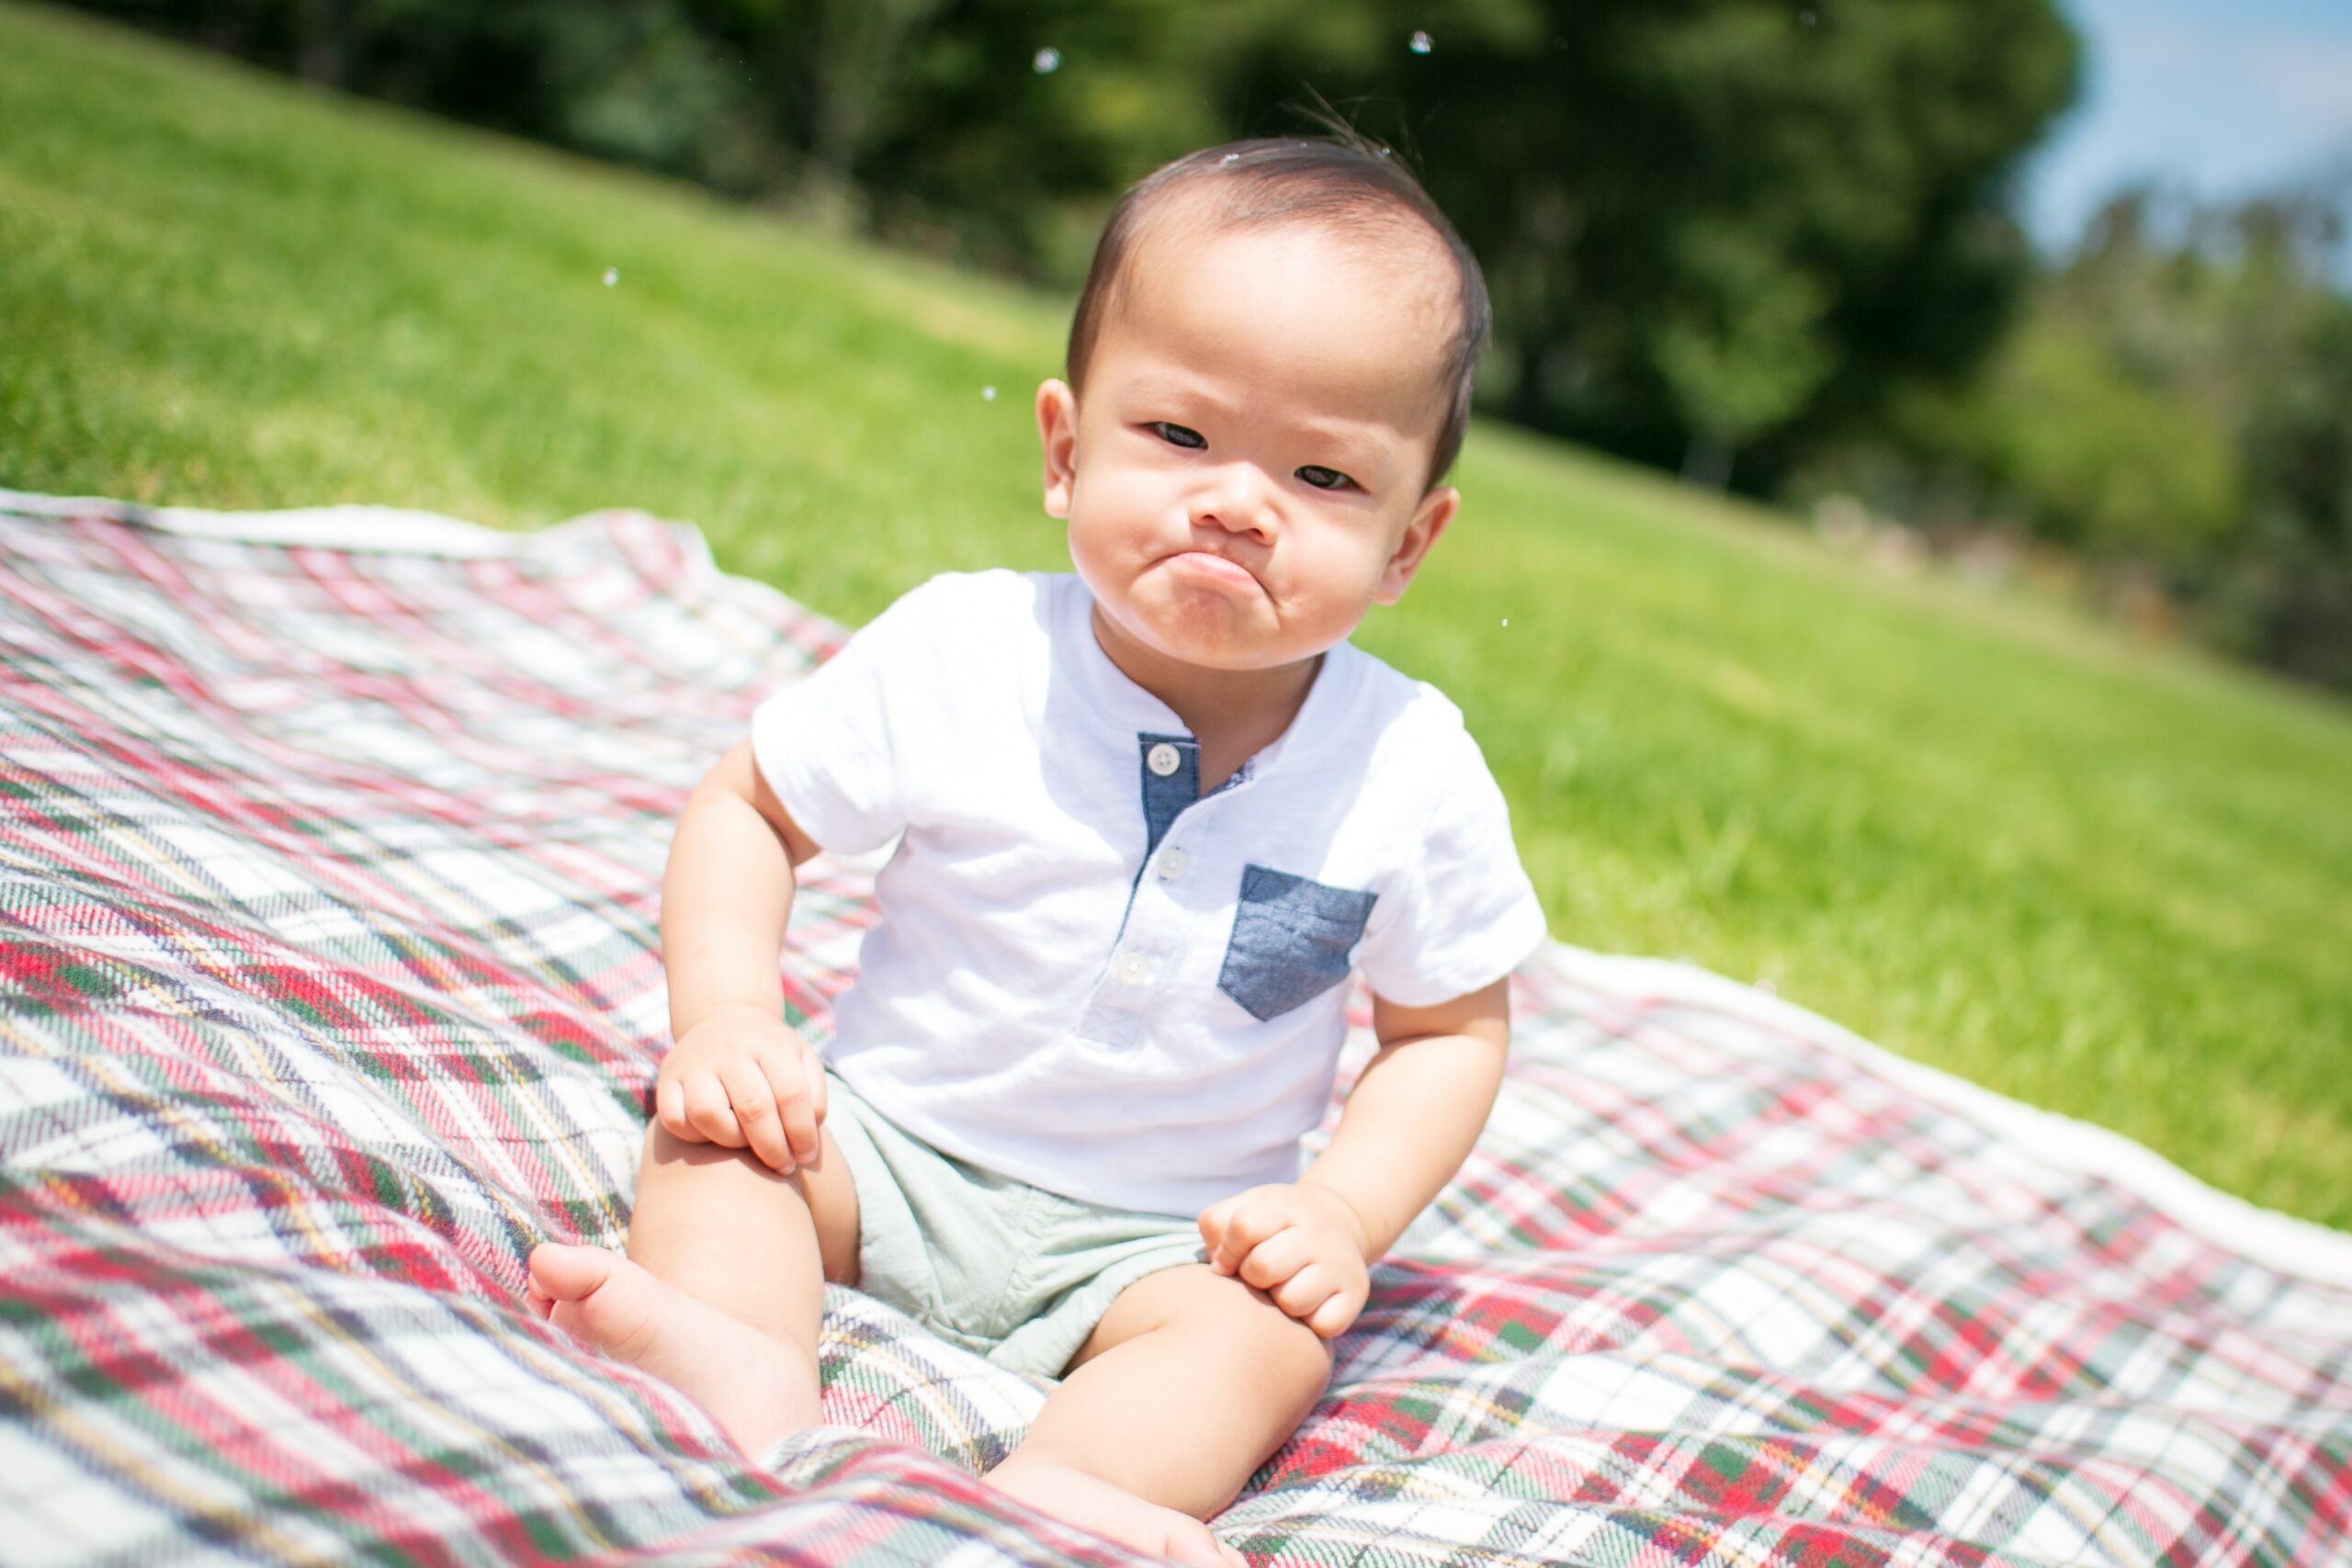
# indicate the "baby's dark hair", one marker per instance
pixel 1340 180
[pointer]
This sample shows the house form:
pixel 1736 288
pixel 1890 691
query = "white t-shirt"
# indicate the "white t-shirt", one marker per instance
pixel 1086 977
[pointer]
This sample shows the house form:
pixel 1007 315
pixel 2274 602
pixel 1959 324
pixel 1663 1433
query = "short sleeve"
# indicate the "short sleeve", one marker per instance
pixel 1466 914
pixel 833 745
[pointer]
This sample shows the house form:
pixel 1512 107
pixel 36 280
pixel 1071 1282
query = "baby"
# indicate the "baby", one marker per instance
pixel 1149 818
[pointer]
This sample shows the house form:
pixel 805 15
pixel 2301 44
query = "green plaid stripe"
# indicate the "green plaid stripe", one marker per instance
pixel 328 875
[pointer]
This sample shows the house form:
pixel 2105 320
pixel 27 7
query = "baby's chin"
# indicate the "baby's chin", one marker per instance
pixel 1224 630
pixel 1203 643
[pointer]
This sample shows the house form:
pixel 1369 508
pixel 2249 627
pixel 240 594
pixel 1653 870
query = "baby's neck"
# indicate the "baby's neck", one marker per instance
pixel 1230 734
pixel 1234 714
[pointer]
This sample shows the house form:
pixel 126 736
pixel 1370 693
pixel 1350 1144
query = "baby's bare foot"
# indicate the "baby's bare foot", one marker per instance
pixel 756 1386
pixel 1093 1504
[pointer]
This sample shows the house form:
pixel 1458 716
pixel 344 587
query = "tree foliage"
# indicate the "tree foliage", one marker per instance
pixel 1713 226
pixel 1721 222
pixel 2176 399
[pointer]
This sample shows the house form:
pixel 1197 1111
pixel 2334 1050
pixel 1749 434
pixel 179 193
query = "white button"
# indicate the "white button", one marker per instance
pixel 1135 968
pixel 1171 864
pixel 1163 758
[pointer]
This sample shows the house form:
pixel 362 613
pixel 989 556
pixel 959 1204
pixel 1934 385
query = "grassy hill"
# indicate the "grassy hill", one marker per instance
pixel 2112 881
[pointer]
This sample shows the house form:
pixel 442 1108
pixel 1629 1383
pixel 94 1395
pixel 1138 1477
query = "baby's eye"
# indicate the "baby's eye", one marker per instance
pixel 1178 435
pixel 1323 479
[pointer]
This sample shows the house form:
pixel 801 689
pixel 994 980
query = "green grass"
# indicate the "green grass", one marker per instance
pixel 2110 880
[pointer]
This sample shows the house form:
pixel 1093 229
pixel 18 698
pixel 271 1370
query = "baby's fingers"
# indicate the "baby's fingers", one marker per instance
pixel 795 1106
pixel 669 1109
pixel 1275 1259
pixel 1212 1220
pixel 1307 1292
pixel 752 1099
pixel 673 1107
pixel 708 1113
pixel 1339 1311
pixel 1212 1225
pixel 1246 1221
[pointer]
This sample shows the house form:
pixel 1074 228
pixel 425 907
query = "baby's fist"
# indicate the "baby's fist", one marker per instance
pixel 1302 1244
pixel 741 1078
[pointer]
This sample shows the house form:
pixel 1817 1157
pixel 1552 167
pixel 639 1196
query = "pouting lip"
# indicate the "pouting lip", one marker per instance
pixel 1202 555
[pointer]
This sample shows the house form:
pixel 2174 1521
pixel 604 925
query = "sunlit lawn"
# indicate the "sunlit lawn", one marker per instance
pixel 2114 882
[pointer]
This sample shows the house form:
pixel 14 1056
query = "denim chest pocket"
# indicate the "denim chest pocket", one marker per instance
pixel 1292 939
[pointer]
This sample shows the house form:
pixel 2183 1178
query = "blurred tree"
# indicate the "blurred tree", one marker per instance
pixel 638 80
pixel 2283 376
pixel 1714 227
pixel 327 30
pixel 830 76
pixel 1017 122
pixel 2178 400
pixel 1712 222
pixel 2105 458
pixel 1741 346
pixel 860 52
pixel 2210 352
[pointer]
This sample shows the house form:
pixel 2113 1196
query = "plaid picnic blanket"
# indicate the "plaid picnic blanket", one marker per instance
pixel 329 848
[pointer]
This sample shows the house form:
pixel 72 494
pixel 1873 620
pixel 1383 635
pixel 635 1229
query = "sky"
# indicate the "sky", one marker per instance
pixel 2216 97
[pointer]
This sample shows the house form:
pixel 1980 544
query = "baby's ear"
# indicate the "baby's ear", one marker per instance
pixel 1057 436
pixel 1429 520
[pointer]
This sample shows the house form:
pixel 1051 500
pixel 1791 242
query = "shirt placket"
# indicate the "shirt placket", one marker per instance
pixel 1152 930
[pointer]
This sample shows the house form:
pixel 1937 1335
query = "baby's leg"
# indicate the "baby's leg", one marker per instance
pixel 1186 1385
pixel 723 1289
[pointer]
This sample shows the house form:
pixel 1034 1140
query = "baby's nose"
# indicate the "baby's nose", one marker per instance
pixel 1240 502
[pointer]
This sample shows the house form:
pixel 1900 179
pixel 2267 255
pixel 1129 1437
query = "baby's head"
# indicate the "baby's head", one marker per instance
pixel 1269 375
pixel 1347 189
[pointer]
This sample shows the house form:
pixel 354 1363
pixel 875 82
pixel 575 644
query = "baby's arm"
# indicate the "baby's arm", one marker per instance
pixel 736 1076
pixel 1407 1126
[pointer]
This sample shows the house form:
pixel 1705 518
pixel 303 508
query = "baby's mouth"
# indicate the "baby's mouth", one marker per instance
pixel 1209 565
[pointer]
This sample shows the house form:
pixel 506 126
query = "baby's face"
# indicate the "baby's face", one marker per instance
pixel 1245 475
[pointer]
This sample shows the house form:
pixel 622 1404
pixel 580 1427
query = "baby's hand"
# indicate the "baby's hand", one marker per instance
pixel 744 1079
pixel 1301 1244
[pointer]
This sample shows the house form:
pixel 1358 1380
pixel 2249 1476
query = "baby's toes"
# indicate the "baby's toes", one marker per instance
pixel 1191 1541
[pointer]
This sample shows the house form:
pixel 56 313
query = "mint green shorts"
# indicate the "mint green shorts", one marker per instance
pixel 1015 1273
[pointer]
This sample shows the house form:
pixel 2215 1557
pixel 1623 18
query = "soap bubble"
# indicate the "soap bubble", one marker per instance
pixel 1420 42
pixel 1807 17
pixel 612 275
pixel 1047 61
pixel 1506 620
pixel 988 394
